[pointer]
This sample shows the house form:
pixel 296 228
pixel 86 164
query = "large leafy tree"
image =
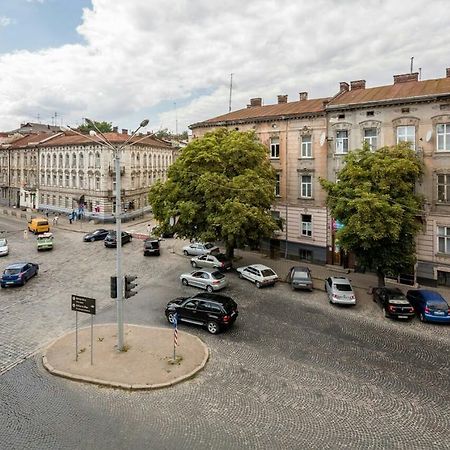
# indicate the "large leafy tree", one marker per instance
pixel 375 200
pixel 104 127
pixel 221 187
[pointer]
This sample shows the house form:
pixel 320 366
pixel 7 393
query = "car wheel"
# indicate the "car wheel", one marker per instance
pixel 422 317
pixel 330 300
pixel 209 288
pixel 213 327
pixel 185 282
pixel 240 275
pixel 92 239
pixel 3 286
pixel 258 284
pixel 385 312
pixel 193 264
pixel 185 253
pixel 171 317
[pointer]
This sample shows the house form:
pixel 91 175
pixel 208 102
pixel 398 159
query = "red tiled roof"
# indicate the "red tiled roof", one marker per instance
pixel 397 91
pixel 29 140
pixel 269 111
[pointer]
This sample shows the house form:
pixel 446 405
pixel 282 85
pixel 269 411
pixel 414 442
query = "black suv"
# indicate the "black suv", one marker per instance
pixel 393 302
pixel 111 241
pixel 151 247
pixel 216 312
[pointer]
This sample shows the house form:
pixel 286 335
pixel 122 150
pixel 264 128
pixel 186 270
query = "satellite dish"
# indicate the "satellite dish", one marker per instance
pixel 322 138
pixel 428 136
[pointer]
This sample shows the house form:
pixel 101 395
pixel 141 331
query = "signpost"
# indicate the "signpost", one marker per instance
pixel 84 305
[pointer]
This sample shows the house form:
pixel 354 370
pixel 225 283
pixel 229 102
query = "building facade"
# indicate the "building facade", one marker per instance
pixel 308 140
pixel 64 171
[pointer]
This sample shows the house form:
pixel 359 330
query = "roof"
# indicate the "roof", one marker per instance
pixel 32 127
pixel 396 91
pixel 301 107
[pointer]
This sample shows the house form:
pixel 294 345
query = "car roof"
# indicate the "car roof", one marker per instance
pixel 429 295
pixel 393 290
pixel 300 268
pixel 259 266
pixel 16 265
pixel 343 280
pixel 219 298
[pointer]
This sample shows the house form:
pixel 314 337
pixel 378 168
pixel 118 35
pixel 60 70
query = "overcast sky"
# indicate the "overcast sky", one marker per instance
pixel 170 61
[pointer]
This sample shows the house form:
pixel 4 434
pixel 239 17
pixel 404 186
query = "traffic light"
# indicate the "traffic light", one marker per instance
pixel 129 286
pixel 113 287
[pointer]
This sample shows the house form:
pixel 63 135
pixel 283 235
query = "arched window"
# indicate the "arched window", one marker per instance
pixel 43 161
pixel 81 161
pixel 74 160
pixel 91 160
pixel 138 160
pixel 81 181
pixel 97 160
pixel 144 160
pixel 97 182
pixel 54 160
pixel 67 162
pixel 60 160
pixel 132 160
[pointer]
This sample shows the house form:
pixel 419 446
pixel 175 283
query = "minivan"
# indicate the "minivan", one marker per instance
pixel 38 225
pixel 151 247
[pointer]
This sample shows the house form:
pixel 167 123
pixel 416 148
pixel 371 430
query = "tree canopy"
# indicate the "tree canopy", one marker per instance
pixel 165 133
pixel 104 127
pixel 221 187
pixel 375 201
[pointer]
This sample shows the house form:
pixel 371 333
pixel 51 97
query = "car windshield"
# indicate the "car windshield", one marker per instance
pixel 397 296
pixel 399 301
pixel 268 273
pixel 343 287
pixel 2 242
pixel 301 275
pixel 209 245
pixel 433 304
pixel 14 271
pixel 218 275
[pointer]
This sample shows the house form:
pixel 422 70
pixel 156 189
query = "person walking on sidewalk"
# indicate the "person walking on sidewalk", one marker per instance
pixel 55 220
pixel 70 218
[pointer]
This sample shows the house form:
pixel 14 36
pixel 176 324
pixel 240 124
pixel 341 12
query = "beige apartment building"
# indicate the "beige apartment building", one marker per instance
pixel 307 139
pixel 64 171
pixel 295 136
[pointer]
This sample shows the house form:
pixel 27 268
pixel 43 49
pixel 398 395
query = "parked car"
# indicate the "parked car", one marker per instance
pixel 211 281
pixel 393 302
pixel 300 277
pixel 259 274
pixel 200 248
pixel 4 249
pixel 97 235
pixel 18 274
pixel 111 241
pixel 218 261
pixel 216 312
pixel 429 305
pixel 151 247
pixel 339 290
pixel 44 241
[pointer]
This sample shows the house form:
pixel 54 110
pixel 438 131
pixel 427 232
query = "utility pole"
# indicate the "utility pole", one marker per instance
pixel 231 91
pixel 412 64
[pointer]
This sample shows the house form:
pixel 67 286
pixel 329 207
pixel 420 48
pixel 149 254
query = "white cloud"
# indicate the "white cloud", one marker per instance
pixel 5 21
pixel 140 56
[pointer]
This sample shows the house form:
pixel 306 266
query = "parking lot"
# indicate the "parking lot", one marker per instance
pixel 293 372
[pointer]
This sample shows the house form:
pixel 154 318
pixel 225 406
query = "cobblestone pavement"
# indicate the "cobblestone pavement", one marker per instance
pixel 294 372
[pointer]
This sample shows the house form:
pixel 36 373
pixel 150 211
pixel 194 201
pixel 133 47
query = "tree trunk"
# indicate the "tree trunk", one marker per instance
pixel 380 276
pixel 230 251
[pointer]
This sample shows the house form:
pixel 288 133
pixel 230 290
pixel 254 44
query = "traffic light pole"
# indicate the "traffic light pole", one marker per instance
pixel 119 300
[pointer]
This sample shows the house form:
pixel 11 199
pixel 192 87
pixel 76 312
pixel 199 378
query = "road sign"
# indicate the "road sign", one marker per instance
pixel 83 304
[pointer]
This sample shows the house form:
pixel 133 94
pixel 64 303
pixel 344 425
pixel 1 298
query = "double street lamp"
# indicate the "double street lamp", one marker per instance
pixel 117 149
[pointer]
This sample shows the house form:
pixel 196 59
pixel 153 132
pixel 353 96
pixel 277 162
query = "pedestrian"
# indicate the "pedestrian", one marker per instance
pixel 149 229
pixel 70 218
pixel 55 220
pixel 46 213
pixel 25 234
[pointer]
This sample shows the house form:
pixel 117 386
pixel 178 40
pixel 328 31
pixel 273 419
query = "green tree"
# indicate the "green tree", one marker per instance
pixel 104 127
pixel 375 200
pixel 221 187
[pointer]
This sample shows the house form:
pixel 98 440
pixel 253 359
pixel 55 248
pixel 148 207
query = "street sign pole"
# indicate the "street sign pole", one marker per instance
pixel 84 305
pixel 76 336
pixel 92 339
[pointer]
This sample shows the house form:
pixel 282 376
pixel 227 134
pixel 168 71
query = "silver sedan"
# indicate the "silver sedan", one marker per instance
pixel 211 281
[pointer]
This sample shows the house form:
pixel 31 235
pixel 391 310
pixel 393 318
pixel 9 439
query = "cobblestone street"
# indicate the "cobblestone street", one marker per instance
pixel 294 371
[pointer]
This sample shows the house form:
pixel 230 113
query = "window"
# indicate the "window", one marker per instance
pixel 306 186
pixel 370 113
pixel 370 136
pixel 306 225
pixel 277 185
pixel 97 160
pixel 305 254
pixel 444 239
pixel 274 148
pixel 306 147
pixel 341 116
pixel 407 133
pixel 443 137
pixel 443 188
pixel 81 161
pixel 66 164
pixel 342 141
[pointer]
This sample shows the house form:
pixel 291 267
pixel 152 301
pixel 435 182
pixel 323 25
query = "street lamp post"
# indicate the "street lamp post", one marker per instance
pixel 117 149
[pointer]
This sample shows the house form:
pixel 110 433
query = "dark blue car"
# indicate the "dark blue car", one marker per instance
pixel 18 274
pixel 429 305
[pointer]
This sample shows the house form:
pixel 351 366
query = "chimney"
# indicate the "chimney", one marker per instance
pixel 448 72
pixel 115 129
pixel 303 96
pixel 124 131
pixel 343 86
pixel 358 84
pixel 255 102
pixel 405 77
pixel 282 99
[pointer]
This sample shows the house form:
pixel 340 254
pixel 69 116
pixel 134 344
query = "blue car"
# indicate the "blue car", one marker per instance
pixel 429 305
pixel 18 274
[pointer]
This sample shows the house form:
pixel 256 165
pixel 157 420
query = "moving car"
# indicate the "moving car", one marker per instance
pixel 200 248
pixel 151 247
pixel 110 239
pixel 216 261
pixel 38 225
pixel 259 274
pixel 300 278
pixel 340 291
pixel 214 311
pixel 393 302
pixel 4 249
pixel 45 241
pixel 97 235
pixel 18 274
pixel 429 305
pixel 211 281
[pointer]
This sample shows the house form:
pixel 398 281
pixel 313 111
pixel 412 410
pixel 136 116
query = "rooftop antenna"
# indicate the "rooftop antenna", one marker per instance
pixel 38 117
pixel 420 73
pixel 231 91
pixel 412 64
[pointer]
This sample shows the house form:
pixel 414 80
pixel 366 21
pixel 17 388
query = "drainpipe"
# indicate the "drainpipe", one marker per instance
pixel 286 189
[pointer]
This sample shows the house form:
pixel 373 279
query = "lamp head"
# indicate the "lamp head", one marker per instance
pixel 89 121
pixel 92 133
pixel 144 123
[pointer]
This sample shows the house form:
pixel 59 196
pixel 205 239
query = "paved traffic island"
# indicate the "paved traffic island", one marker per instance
pixel 146 362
